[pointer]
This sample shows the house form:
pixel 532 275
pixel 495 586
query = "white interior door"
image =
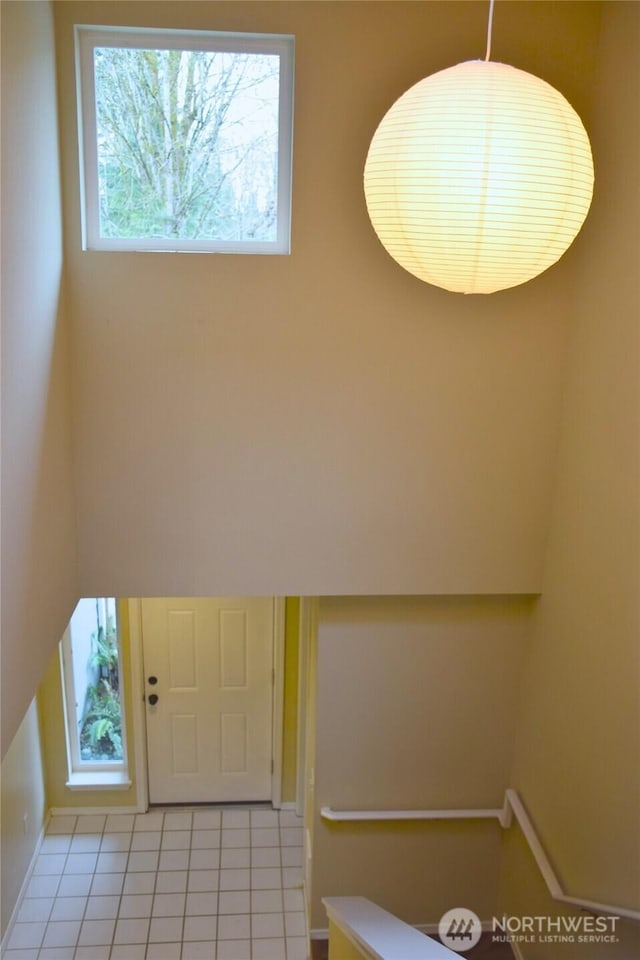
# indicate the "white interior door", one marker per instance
pixel 209 730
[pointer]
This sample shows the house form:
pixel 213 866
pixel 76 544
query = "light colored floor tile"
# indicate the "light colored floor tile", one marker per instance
pixel 177 821
pixel 205 839
pixel 96 932
pixel 176 840
pixel 297 948
pixel 131 931
pixel 136 905
pixel 295 924
pixel 265 837
pixel 83 862
pixel 137 883
pixel 56 844
pixel 68 908
pixel 265 857
pixel 106 884
pixel 234 901
pixel 235 858
pixel 267 925
pixel 146 840
pixel 291 837
pixel 94 952
pixel 61 934
pixel 199 950
pixel 164 951
pixel 199 928
pixel 129 951
pixel 141 862
pixel 174 860
pixel 204 903
pixel 234 927
pixel 165 929
pixel 293 900
pixel 235 879
pixel 119 823
pixel 268 949
pixel 171 881
pixel 291 877
pixel 267 878
pixel 57 953
pixel 202 880
pixel 232 950
pixel 236 838
pixel 112 862
pixel 168 905
pixel 115 843
pixel 203 859
pixel 235 818
pixel 35 910
pixel 148 821
pixel 264 818
pixel 266 901
pixel 62 824
pixel 102 908
pixel 206 820
pixel 43 886
pixel 291 856
pixel 85 843
pixel 289 818
pixel 21 954
pixel 75 886
pixel 26 935
pixel 90 823
pixel 49 864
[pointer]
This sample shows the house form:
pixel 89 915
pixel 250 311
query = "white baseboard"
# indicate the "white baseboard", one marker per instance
pixel 321 934
pixel 288 805
pixel 82 811
pixel 23 888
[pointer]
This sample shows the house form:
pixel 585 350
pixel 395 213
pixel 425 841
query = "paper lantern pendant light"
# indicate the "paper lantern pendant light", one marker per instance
pixel 479 177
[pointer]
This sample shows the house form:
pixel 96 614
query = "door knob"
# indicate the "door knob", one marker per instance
pixel 152 680
pixel 152 699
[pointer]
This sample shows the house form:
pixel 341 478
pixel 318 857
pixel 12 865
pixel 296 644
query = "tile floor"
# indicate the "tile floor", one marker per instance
pixel 174 885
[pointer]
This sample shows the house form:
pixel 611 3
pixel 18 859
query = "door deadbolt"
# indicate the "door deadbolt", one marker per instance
pixel 152 680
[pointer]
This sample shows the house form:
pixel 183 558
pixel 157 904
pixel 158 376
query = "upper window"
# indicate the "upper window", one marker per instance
pixel 185 140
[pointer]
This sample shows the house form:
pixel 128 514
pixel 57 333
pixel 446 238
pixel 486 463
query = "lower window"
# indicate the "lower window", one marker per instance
pixel 94 710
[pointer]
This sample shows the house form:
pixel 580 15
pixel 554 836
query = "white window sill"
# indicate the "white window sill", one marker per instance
pixel 99 780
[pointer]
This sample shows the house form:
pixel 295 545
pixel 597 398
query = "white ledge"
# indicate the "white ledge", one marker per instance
pixel 513 806
pixel 99 780
pixel 380 935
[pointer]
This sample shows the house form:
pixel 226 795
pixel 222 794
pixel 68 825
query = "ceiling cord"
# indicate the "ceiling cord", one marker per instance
pixel 489 28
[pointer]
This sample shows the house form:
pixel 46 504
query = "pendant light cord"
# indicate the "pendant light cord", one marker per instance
pixel 489 28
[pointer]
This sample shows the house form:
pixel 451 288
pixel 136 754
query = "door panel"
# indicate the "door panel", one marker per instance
pixel 209 733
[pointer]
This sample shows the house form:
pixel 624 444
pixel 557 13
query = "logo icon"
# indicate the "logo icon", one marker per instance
pixel 460 929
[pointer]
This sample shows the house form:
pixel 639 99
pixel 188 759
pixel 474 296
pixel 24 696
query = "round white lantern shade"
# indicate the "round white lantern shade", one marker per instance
pixel 479 177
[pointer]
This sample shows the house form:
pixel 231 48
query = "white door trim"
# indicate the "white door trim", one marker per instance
pixel 139 715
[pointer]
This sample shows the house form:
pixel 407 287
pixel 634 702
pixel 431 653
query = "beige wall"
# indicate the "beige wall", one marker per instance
pixel 323 422
pixel 577 757
pixel 416 704
pixel 22 796
pixel 38 528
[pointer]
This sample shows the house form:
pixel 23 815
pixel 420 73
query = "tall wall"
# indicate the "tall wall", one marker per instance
pixel 416 707
pixel 38 525
pixel 577 756
pixel 320 423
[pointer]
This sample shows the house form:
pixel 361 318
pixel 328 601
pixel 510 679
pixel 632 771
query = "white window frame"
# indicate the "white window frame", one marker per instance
pixel 83 775
pixel 90 36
